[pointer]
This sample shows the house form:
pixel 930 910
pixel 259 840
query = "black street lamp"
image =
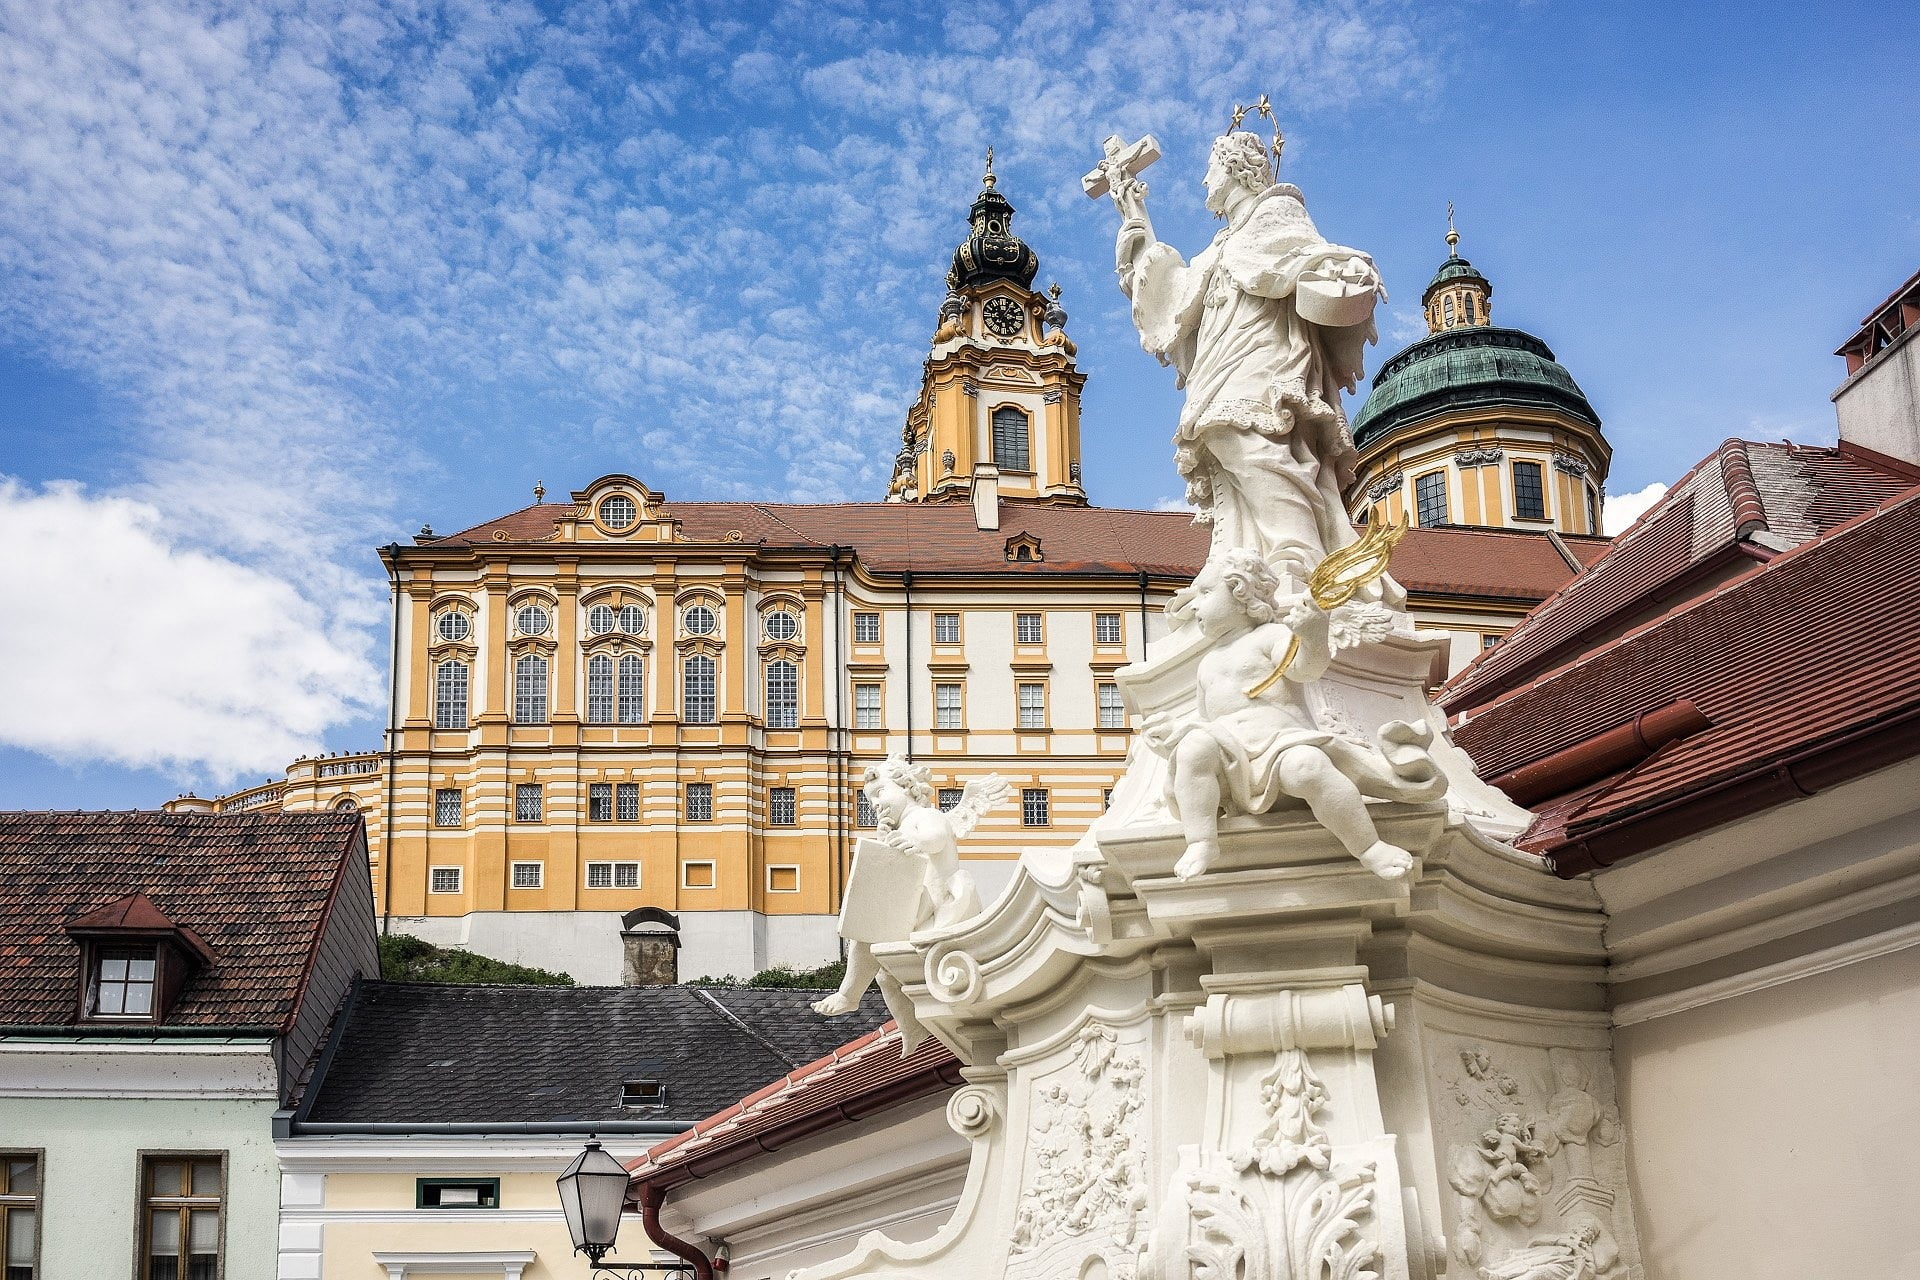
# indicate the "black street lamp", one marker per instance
pixel 593 1190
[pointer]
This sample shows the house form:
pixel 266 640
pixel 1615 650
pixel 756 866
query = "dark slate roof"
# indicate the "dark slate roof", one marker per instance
pixel 1472 366
pixel 256 888
pixel 446 1054
pixel 1456 268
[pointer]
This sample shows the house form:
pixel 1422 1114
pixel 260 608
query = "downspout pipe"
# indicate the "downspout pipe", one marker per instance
pixel 392 557
pixel 906 584
pixel 651 1198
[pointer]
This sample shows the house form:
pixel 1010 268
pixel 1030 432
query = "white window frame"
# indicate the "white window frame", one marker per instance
pixel 1119 630
pixel 459 809
pixel 532 689
pixel 782 702
pixel 709 864
pixel 1027 807
pixel 704 792
pixel 613 867
pixel 792 799
pixel 433 879
pixel 451 707
pixel 630 689
pixel 946 628
pixel 710 690
pixel 518 865
pixel 955 716
pixel 792 621
pixel 878 718
pixel 1020 621
pixel 1106 698
pixel 539 802
pixel 622 792
pixel 783 866
pixel 1035 716
pixel 865 620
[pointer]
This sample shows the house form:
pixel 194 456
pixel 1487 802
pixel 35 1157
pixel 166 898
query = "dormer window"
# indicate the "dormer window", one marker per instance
pixel 643 1095
pixel 1024 547
pixel 124 981
pixel 618 512
pixel 134 961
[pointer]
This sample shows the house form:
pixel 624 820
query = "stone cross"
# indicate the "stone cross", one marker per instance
pixel 1122 160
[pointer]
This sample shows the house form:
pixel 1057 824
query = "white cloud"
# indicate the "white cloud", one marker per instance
pixel 1172 504
pixel 122 646
pixel 1622 509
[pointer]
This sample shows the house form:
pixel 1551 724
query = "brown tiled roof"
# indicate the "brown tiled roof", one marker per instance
pixel 256 888
pixel 854 1081
pixel 1804 669
pixel 1743 504
pixel 940 537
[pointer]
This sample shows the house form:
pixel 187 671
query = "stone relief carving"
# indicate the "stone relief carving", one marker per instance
pixel 1571 465
pixel 1584 1253
pixel 1481 457
pixel 1386 484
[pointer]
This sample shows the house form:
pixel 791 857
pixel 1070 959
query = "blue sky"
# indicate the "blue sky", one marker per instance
pixel 280 282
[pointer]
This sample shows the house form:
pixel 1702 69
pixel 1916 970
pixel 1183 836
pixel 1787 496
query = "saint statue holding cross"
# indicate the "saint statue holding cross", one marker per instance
pixel 1265 326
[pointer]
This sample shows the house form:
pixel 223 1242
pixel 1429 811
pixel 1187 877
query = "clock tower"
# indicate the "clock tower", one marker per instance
pixel 999 402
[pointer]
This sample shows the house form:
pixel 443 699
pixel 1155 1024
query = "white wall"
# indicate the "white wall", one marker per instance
pixel 1776 1135
pixel 1879 407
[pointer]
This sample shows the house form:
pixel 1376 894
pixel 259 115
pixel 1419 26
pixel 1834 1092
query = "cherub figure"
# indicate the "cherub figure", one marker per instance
pixel 1256 740
pixel 908 820
pixel 1510 1150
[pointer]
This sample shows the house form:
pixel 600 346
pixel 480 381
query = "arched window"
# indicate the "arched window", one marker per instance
pixel 1473 309
pixel 783 695
pixel 1009 439
pixel 530 690
pixel 450 695
pixel 345 804
pixel 699 691
pixel 1446 309
pixel 633 701
pixel 599 689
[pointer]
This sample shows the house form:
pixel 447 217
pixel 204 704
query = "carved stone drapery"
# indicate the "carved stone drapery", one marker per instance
pixel 1481 457
pixel 1571 465
pixel 1389 483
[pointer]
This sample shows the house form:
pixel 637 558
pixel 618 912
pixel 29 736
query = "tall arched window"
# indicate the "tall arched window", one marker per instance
pixel 1009 439
pixel 599 689
pixel 1446 309
pixel 530 690
pixel 450 695
pixel 633 701
pixel 783 695
pixel 699 691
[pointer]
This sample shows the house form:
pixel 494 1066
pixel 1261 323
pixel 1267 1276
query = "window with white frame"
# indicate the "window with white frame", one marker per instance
pixel 783 809
pixel 529 875
pixel 699 802
pixel 600 619
pixel 446 807
pixel 1106 628
pixel 599 802
pixel 866 707
pixel 949 707
pixel 618 512
pixel 946 628
pixel 453 625
pixel 124 981
pixel 626 802
pixel 866 628
pixel 599 689
pixel 613 875
pixel 1033 705
pixel 530 690
pixel 532 620
pixel 1112 711
pixel 699 690
pixel 632 707
pixel 950 798
pixel 783 694
pixel 443 880
pixel 781 624
pixel 1010 431
pixel 1026 628
pixel 699 620
pixel 1033 807
pixel 527 802
pixel 450 695
pixel 633 619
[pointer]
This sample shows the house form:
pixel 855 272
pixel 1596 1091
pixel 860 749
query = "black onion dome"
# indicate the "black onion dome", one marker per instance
pixel 993 252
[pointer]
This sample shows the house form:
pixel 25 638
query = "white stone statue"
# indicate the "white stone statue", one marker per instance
pixel 1265 327
pixel 1255 741
pixel 908 876
pixel 1581 1254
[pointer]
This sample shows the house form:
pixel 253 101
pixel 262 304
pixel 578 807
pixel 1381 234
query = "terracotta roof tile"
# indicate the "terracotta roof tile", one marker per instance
pixel 255 887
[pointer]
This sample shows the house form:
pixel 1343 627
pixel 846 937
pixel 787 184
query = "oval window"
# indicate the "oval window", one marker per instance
pixel 618 512
pixel 599 620
pixel 454 626
pixel 782 625
pixel 699 621
pixel 633 619
pixel 531 619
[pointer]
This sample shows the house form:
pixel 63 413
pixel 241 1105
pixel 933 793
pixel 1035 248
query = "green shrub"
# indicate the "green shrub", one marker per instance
pixel 785 978
pixel 404 958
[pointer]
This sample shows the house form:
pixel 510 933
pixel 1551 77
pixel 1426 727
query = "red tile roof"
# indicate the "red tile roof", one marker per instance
pixel 256 888
pixel 1740 506
pixel 940 537
pixel 1808 671
pixel 856 1080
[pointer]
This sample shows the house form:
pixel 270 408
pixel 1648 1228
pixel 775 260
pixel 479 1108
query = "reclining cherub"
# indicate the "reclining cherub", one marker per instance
pixel 901 794
pixel 1256 740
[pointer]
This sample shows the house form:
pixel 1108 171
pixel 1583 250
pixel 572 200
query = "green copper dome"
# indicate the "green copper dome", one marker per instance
pixel 1469 367
pixel 1455 268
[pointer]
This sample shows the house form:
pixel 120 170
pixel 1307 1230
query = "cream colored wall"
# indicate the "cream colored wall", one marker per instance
pixel 1772 1136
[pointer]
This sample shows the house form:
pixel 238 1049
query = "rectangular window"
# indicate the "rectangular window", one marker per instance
pixel 613 875
pixel 182 1198
pixel 123 982
pixel 863 816
pixel 1106 628
pixel 529 875
pixel 530 690
pixel 599 689
pixel 783 695
pixel 699 802
pixel 866 628
pixel 600 802
pixel 446 807
pixel 783 809
pixel 1430 498
pixel 443 880
pixel 948 710
pixel 627 802
pixel 528 802
pixel 456 1193
pixel 1529 495
pixel 1026 628
pixel 700 700
pixel 698 875
pixel 1593 509
pixel 950 797
pixel 866 707
pixel 1009 439
pixel 1033 807
pixel 946 628
pixel 783 879
pixel 1488 639
pixel 450 695
pixel 633 689
pixel 20 1214
pixel 1033 706
pixel 1112 711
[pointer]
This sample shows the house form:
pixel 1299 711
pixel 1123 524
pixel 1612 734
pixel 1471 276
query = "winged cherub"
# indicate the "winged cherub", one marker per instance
pixel 902 795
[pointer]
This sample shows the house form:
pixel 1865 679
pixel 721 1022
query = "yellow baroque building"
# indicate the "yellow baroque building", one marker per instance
pixel 625 701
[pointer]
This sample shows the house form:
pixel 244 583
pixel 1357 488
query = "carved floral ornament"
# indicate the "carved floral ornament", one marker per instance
pixel 1385 485
pixel 1571 465
pixel 1481 457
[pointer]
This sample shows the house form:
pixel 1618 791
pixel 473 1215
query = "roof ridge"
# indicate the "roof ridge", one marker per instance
pixel 1736 477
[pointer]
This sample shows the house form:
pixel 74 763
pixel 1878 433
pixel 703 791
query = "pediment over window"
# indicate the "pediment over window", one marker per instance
pixel 1024 547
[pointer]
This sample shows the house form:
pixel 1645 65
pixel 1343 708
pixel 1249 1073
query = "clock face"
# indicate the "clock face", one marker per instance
pixel 1003 316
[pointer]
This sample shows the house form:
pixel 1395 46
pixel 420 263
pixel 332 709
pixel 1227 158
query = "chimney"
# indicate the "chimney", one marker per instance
pixel 986 496
pixel 651 938
pixel 1878 406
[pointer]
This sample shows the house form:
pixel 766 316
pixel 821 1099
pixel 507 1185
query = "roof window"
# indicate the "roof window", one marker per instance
pixel 643 1095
